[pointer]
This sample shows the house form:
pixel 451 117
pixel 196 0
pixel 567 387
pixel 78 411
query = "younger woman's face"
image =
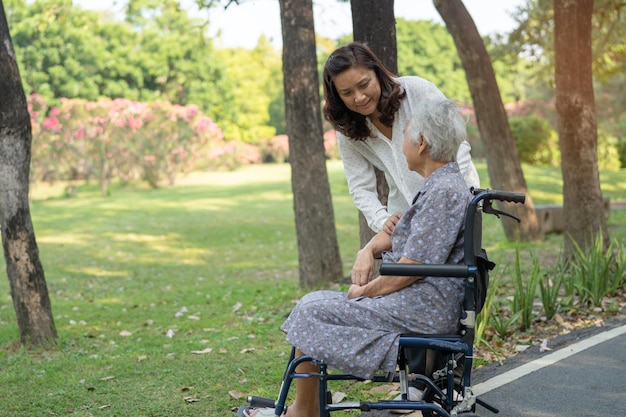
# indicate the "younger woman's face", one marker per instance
pixel 359 89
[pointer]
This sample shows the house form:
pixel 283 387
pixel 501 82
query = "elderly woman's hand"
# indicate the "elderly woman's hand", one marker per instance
pixel 391 222
pixel 355 291
pixel 363 268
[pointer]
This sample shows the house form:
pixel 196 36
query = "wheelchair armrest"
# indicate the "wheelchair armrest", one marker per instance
pixel 422 270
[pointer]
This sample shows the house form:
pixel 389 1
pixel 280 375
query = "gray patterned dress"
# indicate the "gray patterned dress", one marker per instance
pixel 360 335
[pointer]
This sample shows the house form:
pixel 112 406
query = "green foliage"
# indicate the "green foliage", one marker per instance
pixel 536 142
pixel 525 291
pixel 483 320
pixel 60 57
pixel 427 49
pixel 608 152
pixel 531 44
pixel 597 272
pixel 159 53
pixel 550 287
pixel 515 81
pixel 257 91
pixel 503 323
pixel 621 150
pixel 534 37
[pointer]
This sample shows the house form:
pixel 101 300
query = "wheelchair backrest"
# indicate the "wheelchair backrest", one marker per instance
pixel 475 254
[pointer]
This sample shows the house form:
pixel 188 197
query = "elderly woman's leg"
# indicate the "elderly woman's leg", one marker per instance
pixel 306 403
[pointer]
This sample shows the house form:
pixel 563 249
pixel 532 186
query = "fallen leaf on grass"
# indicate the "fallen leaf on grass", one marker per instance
pixel 141 358
pixel 559 319
pixel 125 333
pixel 181 312
pixel 104 407
pixel 107 378
pixel 202 352
pixel 236 394
pixel 237 306
pixel 338 397
pixel 246 350
pixel 190 399
pixel 382 389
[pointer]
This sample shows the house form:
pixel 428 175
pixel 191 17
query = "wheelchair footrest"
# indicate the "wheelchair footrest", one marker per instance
pixel 487 406
pixel 404 405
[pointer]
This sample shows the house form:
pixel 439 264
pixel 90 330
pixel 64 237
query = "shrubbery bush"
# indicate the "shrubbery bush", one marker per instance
pixel 608 152
pixel 123 139
pixel 126 140
pixel 537 143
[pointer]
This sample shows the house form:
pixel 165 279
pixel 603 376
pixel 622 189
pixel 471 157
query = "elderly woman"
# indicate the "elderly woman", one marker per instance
pixel 358 331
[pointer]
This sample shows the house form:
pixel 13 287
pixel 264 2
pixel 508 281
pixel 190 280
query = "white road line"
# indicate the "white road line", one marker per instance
pixel 549 359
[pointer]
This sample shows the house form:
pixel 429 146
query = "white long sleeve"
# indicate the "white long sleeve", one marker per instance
pixel 361 157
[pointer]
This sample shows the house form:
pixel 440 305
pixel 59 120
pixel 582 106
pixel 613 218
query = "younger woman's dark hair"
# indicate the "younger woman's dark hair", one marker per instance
pixel 350 123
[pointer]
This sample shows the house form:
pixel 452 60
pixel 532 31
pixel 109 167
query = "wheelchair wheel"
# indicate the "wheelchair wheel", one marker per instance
pixel 440 378
pixel 430 396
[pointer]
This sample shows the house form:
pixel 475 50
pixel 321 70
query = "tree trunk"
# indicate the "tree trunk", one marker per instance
pixel 583 217
pixel 318 249
pixel 503 164
pixel 374 23
pixel 24 270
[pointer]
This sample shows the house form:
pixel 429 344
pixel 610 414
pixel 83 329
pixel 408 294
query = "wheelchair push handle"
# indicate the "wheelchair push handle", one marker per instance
pixel 487 196
pixel 499 195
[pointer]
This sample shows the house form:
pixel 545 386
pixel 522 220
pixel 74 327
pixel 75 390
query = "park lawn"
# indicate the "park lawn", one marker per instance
pixel 168 302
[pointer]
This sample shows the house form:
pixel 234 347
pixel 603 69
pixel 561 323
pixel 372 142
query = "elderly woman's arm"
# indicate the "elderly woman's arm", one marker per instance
pixel 363 284
pixel 383 284
pixel 365 263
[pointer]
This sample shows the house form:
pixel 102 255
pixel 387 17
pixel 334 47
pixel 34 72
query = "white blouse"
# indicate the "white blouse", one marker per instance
pixel 360 158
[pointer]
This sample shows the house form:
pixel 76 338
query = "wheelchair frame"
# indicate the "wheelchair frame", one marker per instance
pixel 456 397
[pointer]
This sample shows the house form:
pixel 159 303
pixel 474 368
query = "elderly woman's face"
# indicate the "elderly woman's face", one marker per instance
pixel 414 153
pixel 359 89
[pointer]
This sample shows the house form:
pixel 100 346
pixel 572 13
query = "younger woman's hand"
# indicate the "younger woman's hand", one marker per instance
pixel 391 222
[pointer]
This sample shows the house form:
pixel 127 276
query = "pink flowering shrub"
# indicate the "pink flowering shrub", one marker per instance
pixel 330 144
pixel 277 149
pixel 123 139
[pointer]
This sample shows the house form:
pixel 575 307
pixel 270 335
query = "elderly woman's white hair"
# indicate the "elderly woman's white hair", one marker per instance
pixel 441 124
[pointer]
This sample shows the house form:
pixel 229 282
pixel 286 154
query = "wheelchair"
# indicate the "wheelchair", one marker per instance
pixel 447 374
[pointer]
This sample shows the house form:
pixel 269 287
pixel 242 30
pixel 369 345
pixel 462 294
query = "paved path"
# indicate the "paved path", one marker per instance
pixel 586 378
pixel 584 375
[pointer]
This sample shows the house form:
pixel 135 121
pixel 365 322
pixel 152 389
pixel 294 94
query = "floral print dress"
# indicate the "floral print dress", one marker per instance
pixel 360 335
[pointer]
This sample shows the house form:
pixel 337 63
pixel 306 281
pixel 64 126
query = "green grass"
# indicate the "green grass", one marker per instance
pixel 220 245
